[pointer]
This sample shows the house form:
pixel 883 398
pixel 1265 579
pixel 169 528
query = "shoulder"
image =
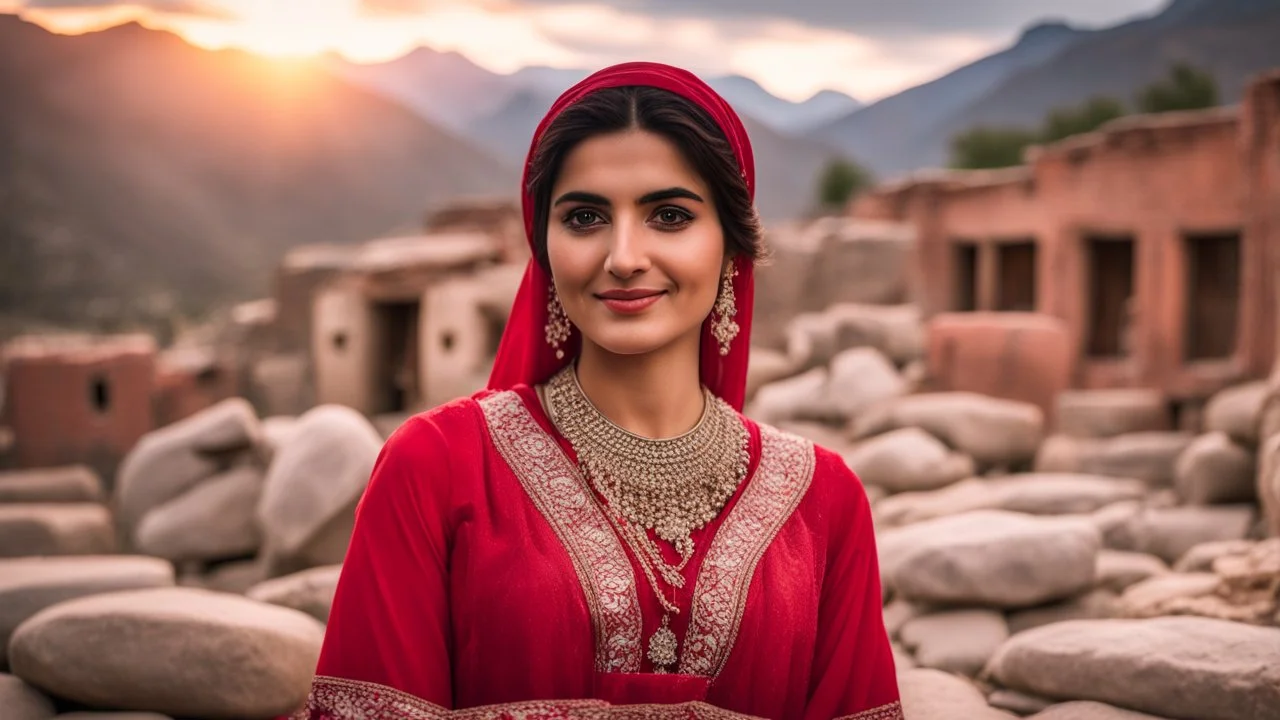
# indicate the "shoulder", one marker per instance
pixel 832 484
pixel 447 425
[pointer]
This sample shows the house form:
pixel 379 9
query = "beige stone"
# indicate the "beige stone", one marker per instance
pixel 1087 710
pixel 1097 604
pixel 766 365
pixel 217 519
pixel 1118 569
pixel 1236 410
pixel 1200 558
pixel 908 460
pixel 1214 469
pixel 20 701
pixel 1168 533
pixel 1031 493
pixel 310 591
pixel 1269 482
pixel 179 651
pixel 71 484
pixel 1107 413
pixel 55 529
pixel 957 641
pixel 1017 703
pixel 815 339
pixel 936 695
pixel 993 431
pixel 1148 456
pixel 1158 595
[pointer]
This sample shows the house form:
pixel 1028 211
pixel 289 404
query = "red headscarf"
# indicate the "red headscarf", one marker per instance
pixel 524 355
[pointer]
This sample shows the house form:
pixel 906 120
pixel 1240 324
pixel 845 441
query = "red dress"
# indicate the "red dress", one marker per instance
pixel 483 574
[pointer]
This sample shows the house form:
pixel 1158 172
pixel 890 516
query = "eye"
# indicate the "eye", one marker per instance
pixel 582 219
pixel 672 217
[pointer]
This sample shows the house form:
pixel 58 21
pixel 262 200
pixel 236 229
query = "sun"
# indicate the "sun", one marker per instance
pixel 294 28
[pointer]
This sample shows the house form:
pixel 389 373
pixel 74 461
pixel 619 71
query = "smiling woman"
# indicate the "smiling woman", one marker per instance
pixel 601 533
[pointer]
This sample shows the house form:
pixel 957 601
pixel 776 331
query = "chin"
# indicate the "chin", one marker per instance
pixel 632 340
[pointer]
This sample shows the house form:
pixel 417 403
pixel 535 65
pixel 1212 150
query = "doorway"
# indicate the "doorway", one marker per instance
pixel 1109 294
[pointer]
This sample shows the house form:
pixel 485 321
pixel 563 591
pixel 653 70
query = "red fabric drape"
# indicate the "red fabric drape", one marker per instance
pixel 524 357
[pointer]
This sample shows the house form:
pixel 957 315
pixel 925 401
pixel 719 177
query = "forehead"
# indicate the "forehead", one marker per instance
pixel 629 162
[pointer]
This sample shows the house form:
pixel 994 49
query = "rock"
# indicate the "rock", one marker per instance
pixel 310 591
pixel 314 484
pixel 788 399
pixel 1269 482
pixel 824 435
pixel 1181 667
pixel 55 529
pixel 859 378
pixel 1096 604
pixel 178 651
pixel 990 558
pixel 936 695
pixel 276 431
pixel 897 331
pixel 1148 456
pixel 1017 703
pixel 1156 596
pixel 235 577
pixel 170 461
pixel 1213 469
pixel 1236 411
pixel 1168 533
pixel 897 613
pixel 20 701
pixel 902 660
pixel 1108 413
pixel 993 432
pixel 957 641
pixel 764 366
pixel 1201 557
pixel 1090 711
pixel 1031 493
pixel 908 460
pixel 29 585
pixel 1118 569
pixel 71 484
pixel 216 519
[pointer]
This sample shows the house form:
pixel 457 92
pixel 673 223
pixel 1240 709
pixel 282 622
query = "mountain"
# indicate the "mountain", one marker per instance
pixel 748 98
pixel 133 165
pixel 1054 66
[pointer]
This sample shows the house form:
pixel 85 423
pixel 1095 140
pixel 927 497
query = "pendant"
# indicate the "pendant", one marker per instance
pixel 662 647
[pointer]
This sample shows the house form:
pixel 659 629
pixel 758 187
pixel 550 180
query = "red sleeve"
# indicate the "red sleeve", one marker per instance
pixel 853 669
pixel 389 624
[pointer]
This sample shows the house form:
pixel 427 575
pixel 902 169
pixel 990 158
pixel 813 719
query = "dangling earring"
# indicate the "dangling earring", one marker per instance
pixel 723 327
pixel 558 326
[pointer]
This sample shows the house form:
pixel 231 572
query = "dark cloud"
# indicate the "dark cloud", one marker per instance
pixel 198 8
pixel 877 17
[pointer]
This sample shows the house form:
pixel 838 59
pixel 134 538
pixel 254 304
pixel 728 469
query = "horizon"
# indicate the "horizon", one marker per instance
pixel 786 56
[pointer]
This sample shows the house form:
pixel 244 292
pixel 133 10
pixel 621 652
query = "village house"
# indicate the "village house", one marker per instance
pixel 1152 245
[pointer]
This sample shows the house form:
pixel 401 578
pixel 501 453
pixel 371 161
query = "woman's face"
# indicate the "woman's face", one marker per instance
pixel 634 242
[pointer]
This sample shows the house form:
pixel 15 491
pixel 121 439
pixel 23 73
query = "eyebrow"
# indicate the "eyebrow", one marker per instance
pixel 655 196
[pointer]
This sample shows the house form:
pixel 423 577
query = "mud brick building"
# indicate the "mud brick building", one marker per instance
pixel 1155 240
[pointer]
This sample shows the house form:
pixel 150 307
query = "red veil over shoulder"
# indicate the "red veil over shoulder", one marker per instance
pixel 524 355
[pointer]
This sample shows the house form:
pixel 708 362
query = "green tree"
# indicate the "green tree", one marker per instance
pixel 1185 88
pixel 1065 122
pixel 990 147
pixel 840 181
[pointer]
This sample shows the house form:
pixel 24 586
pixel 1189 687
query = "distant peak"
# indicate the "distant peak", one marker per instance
pixel 1047 29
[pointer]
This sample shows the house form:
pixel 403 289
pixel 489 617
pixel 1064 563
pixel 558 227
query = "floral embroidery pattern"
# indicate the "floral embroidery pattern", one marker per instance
pixel 560 493
pixel 720 597
pixel 892 711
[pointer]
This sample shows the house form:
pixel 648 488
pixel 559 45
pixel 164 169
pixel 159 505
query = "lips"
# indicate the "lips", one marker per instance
pixel 629 301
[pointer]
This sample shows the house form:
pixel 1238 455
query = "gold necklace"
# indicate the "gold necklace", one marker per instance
pixel 672 486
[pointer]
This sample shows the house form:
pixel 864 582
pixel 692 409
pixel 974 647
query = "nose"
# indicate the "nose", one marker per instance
pixel 628 255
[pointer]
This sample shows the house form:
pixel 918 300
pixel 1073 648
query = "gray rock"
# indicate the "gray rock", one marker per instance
pixel 1087 710
pixel 1182 667
pixel 1031 493
pixel 1098 604
pixel 787 399
pixel 1236 410
pixel 993 431
pixel 1118 569
pixel 815 339
pixel 276 431
pixel 990 558
pixel 764 366
pixel 1200 558
pixel 1214 469
pixel 20 701
pixel 56 529
pixel 178 651
pixel 897 612
pixel 29 585
pixel 1108 413
pixel 216 519
pixel 71 484
pixel 310 591
pixel 1168 533
pixel 859 378
pixel 957 641
pixel 1155 596
pixel 936 695
pixel 1148 456
pixel 1017 703
pixel 908 460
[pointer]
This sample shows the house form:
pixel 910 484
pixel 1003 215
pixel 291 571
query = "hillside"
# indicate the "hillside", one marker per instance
pixel 140 175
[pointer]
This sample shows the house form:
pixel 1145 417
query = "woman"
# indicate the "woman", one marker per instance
pixel 529 552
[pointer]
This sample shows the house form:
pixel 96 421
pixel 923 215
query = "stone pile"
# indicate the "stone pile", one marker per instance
pixel 199 587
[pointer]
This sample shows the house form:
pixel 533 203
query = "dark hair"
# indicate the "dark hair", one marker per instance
pixel 689 127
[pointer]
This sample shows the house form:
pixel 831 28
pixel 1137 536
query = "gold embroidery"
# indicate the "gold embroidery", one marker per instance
pixel 560 493
pixel 892 711
pixel 334 698
pixel 720 597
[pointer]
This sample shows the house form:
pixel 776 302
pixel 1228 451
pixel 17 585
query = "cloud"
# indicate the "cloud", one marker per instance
pixel 395 7
pixel 197 8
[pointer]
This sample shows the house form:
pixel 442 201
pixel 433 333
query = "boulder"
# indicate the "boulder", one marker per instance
pixel 1269 482
pixel 1168 533
pixel 936 695
pixel 815 339
pixel 55 529
pixel 957 641
pixel 276 431
pixel 179 651
pixel 1148 456
pixel 216 519
pixel 71 484
pixel 908 460
pixel 236 577
pixel 310 591
pixel 1108 413
pixel 764 366
pixel 1118 569
pixel 990 558
pixel 1236 411
pixel 1088 710
pixel 1159 595
pixel 20 701
pixel 1180 667
pixel 1031 493
pixel 1017 703
pixel 820 434
pixel 897 612
pixel 859 378
pixel 29 585
pixel 1214 469
pixel 789 398
pixel 311 490
pixel 1096 604
pixel 1200 558
pixel 170 461
pixel 992 431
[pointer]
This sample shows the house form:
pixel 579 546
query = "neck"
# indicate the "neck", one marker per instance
pixel 655 395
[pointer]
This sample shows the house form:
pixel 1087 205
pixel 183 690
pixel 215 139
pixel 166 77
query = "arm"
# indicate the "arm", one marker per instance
pixel 853 670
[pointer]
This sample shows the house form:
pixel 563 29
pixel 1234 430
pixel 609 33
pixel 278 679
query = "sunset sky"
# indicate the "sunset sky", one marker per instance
pixel 867 48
